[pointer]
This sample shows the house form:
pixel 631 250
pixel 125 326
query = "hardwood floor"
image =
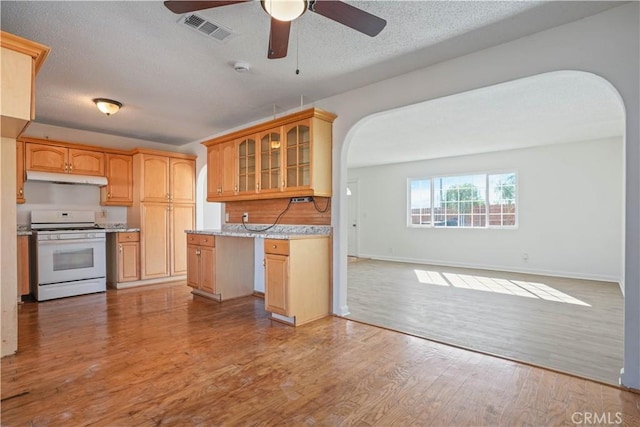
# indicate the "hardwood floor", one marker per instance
pixel 159 356
pixel 570 325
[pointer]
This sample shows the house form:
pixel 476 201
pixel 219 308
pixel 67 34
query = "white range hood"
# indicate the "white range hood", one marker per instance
pixel 66 178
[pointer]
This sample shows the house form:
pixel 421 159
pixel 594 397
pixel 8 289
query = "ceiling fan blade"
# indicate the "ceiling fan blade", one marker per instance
pixel 278 39
pixel 192 6
pixel 350 16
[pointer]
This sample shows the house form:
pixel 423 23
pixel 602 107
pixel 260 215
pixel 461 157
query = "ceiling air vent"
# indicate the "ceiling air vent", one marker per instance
pixel 204 26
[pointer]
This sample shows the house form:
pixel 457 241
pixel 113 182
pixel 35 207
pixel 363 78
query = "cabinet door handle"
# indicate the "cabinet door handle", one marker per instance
pixel 275 246
pixel 20 192
pixel 108 195
pixel 70 167
pixel 167 196
pixel 236 188
pixel 120 248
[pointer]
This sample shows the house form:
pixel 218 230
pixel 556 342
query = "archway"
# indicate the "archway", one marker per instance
pixel 568 90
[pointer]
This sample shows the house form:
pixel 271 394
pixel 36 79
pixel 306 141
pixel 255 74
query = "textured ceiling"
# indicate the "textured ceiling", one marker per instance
pixel 564 106
pixel 179 86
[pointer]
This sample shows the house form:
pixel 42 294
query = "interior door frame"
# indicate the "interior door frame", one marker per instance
pixel 355 244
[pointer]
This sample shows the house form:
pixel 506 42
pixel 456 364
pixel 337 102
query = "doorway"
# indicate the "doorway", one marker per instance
pixel 554 132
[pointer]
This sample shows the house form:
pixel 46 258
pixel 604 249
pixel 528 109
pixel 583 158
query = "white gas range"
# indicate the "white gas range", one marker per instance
pixel 69 254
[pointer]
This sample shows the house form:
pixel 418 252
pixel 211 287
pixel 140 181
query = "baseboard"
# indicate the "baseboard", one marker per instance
pixel 565 274
pixel 147 282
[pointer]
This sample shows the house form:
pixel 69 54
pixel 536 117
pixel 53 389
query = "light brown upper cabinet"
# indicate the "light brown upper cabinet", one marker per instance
pixel 60 159
pixel 307 159
pixel 247 164
pixel 167 179
pixel 286 157
pixel 154 179
pixel 119 188
pixel 182 185
pixel 221 171
pixel 21 61
pixel 271 180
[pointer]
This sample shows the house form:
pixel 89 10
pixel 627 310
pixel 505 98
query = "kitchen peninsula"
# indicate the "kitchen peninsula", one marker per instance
pixel 296 262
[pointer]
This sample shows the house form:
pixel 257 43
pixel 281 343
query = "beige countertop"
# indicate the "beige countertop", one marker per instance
pixel 280 232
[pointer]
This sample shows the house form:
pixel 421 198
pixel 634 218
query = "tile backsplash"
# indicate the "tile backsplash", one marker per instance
pixel 50 196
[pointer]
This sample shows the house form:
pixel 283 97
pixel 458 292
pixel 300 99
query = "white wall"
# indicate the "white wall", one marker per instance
pixel 50 196
pixel 606 44
pixel 569 212
pixel 208 215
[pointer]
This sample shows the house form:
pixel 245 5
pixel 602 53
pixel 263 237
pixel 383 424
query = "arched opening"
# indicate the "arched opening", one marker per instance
pixel 208 215
pixel 561 136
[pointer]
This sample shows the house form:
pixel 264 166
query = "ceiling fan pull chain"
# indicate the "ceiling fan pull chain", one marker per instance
pixel 298 48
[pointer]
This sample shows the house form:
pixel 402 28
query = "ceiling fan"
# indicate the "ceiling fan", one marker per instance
pixel 282 12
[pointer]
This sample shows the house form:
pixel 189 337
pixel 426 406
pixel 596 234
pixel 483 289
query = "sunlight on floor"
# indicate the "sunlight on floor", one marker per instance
pixel 501 286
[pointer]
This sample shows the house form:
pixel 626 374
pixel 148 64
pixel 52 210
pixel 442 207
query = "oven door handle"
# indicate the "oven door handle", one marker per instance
pixel 69 241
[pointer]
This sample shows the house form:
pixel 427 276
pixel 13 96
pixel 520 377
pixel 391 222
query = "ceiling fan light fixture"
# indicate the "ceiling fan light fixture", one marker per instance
pixel 107 106
pixel 284 10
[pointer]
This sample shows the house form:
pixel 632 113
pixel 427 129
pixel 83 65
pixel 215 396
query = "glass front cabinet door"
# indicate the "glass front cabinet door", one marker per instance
pixel 271 179
pixel 298 155
pixel 247 149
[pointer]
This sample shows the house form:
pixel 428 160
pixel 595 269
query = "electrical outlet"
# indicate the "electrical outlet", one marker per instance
pixel 301 199
pixel 245 217
pixel 103 214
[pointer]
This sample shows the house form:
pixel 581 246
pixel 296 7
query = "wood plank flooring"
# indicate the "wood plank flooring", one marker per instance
pixel 160 356
pixel 570 325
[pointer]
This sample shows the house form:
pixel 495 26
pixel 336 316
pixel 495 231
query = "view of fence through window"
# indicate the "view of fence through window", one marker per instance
pixel 478 201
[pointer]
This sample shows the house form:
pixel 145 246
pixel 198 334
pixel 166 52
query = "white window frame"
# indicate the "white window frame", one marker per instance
pixel 487 225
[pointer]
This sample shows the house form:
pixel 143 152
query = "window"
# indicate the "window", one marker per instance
pixel 421 202
pixel 469 201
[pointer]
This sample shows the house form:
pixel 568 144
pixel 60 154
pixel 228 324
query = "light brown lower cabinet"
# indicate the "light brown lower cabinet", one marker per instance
pixel 297 281
pixel 201 262
pixel 220 267
pixel 123 258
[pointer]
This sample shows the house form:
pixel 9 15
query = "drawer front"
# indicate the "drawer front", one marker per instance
pixel 128 237
pixel 201 240
pixel 207 240
pixel 277 247
pixel 193 239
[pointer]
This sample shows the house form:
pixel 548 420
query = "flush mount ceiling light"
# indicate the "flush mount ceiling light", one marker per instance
pixel 284 10
pixel 107 106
